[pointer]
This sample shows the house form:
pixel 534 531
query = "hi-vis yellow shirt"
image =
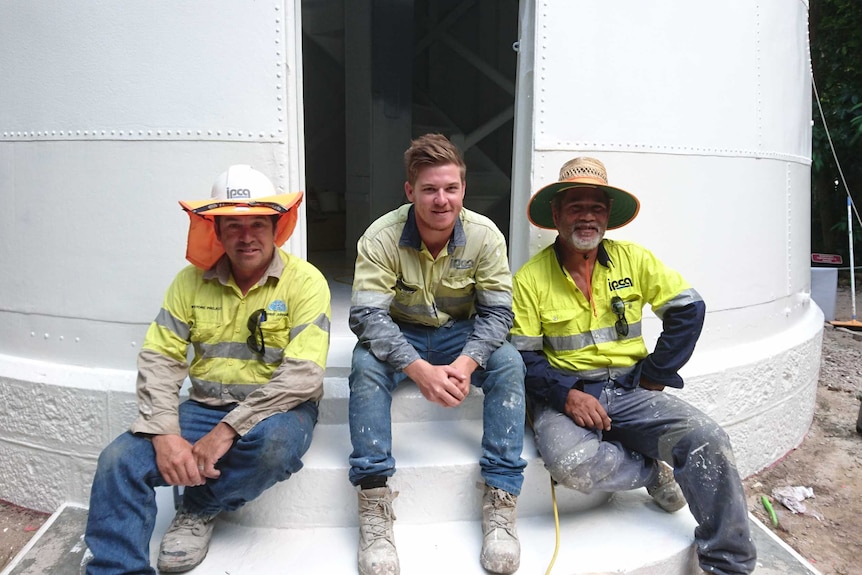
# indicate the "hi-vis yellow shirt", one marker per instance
pixel 206 309
pixel 554 317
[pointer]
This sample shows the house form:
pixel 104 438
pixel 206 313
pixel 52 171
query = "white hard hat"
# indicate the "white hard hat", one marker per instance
pixel 242 182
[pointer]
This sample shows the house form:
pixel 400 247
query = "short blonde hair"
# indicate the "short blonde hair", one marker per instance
pixel 431 150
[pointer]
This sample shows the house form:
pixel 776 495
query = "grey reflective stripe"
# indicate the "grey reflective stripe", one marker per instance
pixel 320 321
pixel 241 351
pixel 221 391
pixel 526 343
pixel 169 322
pixel 371 299
pixel 575 342
pixel 603 373
pixel 416 311
pixel 684 298
pixel 454 302
pixel 494 298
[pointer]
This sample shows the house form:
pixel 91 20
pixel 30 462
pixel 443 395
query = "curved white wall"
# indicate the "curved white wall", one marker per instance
pixel 111 112
pixel 702 110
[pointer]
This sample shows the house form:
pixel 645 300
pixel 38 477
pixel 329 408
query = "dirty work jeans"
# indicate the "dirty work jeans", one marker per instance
pixel 659 426
pixel 372 382
pixel 122 499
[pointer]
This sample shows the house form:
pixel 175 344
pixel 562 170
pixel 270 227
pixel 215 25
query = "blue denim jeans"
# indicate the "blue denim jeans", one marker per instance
pixel 372 382
pixel 122 499
pixel 647 425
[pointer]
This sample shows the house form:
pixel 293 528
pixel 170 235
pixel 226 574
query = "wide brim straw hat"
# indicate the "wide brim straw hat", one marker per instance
pixel 239 191
pixel 583 173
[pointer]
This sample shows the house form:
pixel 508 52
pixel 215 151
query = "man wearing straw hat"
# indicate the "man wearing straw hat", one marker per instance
pixel 432 301
pixel 595 400
pixel 258 320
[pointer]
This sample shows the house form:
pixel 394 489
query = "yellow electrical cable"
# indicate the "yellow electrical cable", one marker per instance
pixel 556 512
pixel 556 527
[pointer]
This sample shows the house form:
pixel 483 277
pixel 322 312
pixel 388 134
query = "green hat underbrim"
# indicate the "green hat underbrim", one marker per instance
pixel 624 206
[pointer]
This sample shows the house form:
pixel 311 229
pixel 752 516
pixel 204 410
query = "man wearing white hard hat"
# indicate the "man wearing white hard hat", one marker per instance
pixel 598 412
pixel 258 320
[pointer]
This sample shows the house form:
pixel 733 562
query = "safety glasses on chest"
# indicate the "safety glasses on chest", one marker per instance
pixel 619 308
pixel 255 320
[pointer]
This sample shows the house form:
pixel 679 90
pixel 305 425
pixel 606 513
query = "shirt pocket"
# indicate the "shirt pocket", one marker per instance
pixel 456 295
pixel 561 322
pixel 276 331
pixel 409 293
pixel 205 337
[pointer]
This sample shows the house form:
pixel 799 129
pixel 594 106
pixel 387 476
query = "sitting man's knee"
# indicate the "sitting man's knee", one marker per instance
pixel 579 469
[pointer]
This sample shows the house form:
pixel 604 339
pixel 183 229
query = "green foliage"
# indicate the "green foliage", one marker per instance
pixel 835 29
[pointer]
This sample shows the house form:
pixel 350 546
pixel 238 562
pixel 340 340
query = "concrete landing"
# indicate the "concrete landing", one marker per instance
pixel 657 544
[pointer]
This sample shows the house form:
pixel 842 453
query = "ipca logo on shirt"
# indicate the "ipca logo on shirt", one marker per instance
pixel 614 285
pixel 277 305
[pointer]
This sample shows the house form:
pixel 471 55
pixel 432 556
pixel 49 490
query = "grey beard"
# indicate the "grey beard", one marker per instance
pixel 581 245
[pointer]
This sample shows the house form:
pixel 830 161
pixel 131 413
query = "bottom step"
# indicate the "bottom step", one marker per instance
pixel 656 543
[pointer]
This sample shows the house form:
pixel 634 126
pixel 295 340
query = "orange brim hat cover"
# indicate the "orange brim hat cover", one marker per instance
pixel 203 248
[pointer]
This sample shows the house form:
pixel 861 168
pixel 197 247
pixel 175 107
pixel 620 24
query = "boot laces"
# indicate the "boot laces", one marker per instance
pixel 196 524
pixel 378 519
pixel 502 505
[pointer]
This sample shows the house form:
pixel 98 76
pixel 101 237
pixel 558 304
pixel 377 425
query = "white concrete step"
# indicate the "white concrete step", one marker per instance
pixel 656 543
pixel 437 475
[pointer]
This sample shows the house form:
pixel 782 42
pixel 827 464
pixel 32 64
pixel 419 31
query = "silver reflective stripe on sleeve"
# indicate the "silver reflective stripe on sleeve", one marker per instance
pixel 371 299
pixel 494 298
pixel 169 322
pixel 684 298
pixel 320 321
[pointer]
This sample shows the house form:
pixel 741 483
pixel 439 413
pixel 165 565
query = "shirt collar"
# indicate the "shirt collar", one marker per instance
pixel 410 237
pixel 221 270
pixel 601 256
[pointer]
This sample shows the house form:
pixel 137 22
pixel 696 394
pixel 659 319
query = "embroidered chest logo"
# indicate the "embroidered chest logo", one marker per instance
pixel 277 305
pixel 614 285
pixel 460 264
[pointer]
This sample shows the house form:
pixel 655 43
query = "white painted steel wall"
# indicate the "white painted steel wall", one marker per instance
pixel 111 112
pixel 702 110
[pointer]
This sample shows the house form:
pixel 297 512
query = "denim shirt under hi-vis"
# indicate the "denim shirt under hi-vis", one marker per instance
pixel 398 280
pixel 553 316
pixel 206 309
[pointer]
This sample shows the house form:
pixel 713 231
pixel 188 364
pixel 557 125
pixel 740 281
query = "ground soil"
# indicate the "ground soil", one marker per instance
pixel 829 462
pixel 17 526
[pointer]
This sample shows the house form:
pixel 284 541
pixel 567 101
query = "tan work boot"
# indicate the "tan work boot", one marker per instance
pixel 665 491
pixel 186 542
pixel 377 554
pixel 501 550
